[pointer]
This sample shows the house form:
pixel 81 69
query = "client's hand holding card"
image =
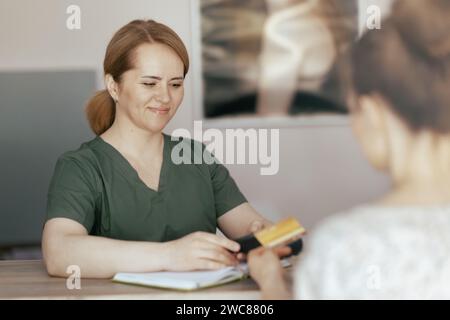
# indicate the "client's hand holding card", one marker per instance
pixel 287 232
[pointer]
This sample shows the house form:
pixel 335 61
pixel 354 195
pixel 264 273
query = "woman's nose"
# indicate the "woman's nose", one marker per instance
pixel 163 95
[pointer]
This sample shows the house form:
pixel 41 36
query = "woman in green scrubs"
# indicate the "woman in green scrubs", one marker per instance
pixel 119 203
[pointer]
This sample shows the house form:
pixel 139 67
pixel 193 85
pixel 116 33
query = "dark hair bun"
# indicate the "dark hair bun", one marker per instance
pixel 425 26
pixel 407 62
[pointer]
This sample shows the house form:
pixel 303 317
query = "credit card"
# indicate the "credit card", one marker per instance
pixel 285 232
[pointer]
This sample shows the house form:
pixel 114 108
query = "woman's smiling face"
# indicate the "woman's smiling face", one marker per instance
pixel 150 93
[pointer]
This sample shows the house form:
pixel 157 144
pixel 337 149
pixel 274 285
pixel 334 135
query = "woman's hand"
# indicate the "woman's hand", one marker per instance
pixel 200 251
pixel 265 268
pixel 255 226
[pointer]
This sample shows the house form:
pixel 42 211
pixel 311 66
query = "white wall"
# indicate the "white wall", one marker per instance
pixel 321 168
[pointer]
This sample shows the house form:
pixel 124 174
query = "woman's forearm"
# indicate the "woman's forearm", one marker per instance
pixel 99 257
pixel 241 221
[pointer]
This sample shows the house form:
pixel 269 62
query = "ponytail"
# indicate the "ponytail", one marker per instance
pixel 100 112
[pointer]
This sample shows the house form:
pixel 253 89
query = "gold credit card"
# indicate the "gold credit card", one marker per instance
pixel 280 233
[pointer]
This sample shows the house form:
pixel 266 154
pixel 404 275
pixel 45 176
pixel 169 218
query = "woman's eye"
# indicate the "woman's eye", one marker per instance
pixel 149 84
pixel 176 85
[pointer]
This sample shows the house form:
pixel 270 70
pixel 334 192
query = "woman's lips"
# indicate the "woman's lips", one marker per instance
pixel 160 110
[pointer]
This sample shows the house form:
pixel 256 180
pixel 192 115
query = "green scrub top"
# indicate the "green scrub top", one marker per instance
pixel 97 187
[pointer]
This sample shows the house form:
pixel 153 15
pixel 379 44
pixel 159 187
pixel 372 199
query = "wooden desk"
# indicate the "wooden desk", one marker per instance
pixel 29 280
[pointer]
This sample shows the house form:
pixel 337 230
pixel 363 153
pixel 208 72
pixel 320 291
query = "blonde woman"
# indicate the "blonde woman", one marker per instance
pixel 119 203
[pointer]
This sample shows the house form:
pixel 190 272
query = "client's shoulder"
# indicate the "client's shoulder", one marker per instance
pixel 389 223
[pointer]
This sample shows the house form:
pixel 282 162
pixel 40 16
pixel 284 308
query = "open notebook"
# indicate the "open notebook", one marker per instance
pixel 285 232
pixel 187 281
pixel 191 280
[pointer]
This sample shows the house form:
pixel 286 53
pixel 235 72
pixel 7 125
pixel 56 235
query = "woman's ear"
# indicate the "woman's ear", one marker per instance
pixel 369 124
pixel 372 110
pixel 112 87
